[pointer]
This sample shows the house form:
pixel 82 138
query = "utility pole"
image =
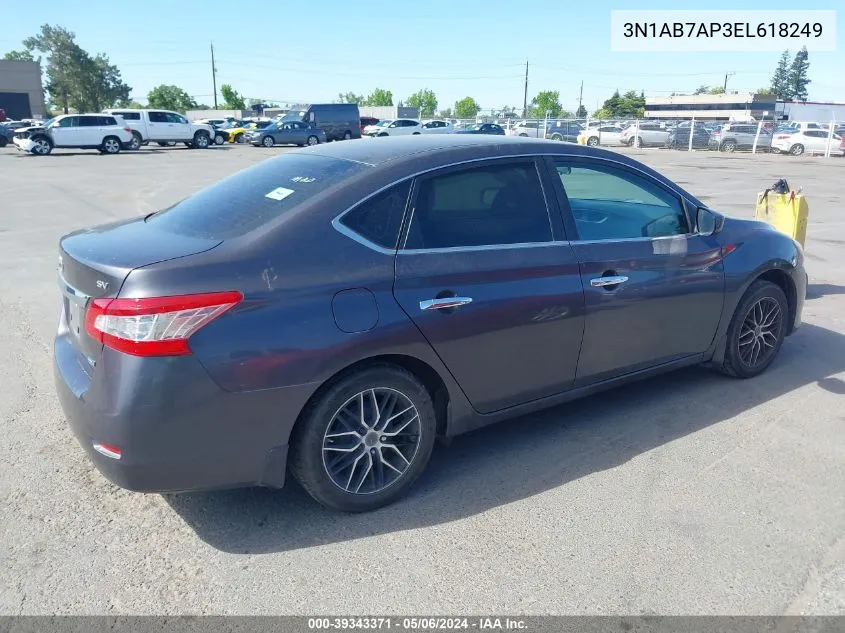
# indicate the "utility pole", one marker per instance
pixel 214 75
pixel 525 95
pixel 580 96
pixel 725 87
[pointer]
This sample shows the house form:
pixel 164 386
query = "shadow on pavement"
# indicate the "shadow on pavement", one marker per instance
pixel 816 291
pixel 520 458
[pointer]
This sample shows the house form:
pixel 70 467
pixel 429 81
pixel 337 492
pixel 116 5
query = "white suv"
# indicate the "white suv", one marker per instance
pixel 108 134
pixel 163 127
pixel 399 127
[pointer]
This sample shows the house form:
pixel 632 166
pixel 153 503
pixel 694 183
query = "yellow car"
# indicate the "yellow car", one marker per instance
pixel 233 131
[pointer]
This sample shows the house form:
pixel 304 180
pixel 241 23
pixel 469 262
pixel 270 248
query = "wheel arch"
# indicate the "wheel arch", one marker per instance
pixel 780 278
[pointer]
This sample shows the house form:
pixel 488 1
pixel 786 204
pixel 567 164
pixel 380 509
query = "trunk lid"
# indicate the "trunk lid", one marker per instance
pixel 93 263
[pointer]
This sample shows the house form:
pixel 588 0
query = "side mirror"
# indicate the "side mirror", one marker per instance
pixel 707 222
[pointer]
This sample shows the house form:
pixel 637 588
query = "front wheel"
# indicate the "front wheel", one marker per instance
pixel 219 139
pixel 347 135
pixel 201 140
pixel 268 141
pixel 42 147
pixel 555 137
pixel 756 332
pixel 239 138
pixel 313 140
pixel 592 141
pixel 728 146
pixel 366 440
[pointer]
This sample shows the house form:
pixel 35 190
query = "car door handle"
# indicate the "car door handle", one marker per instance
pixel 443 303
pixel 615 280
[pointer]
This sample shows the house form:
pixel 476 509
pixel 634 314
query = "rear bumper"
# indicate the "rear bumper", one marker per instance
pixel 175 428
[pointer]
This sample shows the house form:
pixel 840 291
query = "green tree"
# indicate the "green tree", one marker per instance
pixel 702 90
pixel 445 113
pixel 581 112
pixel 716 90
pixel 350 97
pixel 231 99
pixel 168 97
pixel 379 97
pixel 466 108
pixel 798 76
pixel 75 78
pixel 19 56
pixel 780 79
pixel 425 100
pixel 547 101
pixel 626 106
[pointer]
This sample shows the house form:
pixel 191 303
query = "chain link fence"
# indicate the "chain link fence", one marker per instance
pixel 819 138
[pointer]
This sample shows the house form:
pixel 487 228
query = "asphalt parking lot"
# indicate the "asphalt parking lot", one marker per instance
pixel 686 494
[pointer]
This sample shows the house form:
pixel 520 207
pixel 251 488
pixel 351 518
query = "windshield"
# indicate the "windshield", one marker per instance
pixel 294 115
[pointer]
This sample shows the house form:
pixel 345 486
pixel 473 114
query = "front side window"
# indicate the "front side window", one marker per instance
pixel 172 117
pixel 379 219
pixel 69 121
pixel 495 204
pixel 609 203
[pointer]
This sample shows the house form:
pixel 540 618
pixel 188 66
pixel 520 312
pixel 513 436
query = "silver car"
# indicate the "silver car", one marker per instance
pixel 287 133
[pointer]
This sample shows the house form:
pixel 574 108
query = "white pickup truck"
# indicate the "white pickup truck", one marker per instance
pixel 163 127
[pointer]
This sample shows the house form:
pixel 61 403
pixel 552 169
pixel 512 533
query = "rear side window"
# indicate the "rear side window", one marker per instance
pixel 158 117
pixel 129 116
pixel 252 198
pixel 379 219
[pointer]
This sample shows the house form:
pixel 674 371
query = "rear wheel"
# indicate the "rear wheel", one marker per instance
pixel 728 146
pixel 797 149
pixel 135 143
pixel 219 139
pixel 365 441
pixel 347 135
pixel 239 138
pixel 111 145
pixel 592 141
pixel 756 332
pixel 313 140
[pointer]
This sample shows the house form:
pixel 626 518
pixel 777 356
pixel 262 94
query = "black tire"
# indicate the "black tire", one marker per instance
pixel 219 139
pixel 523 134
pixel 166 143
pixel 136 142
pixel 43 146
pixel 309 441
pixel 347 135
pixel 728 146
pixel 268 141
pixel 239 138
pixel 383 134
pixel 555 137
pixel 201 141
pixel 760 293
pixel 111 145
pixel 3 141
pixel 313 140
pixel 797 149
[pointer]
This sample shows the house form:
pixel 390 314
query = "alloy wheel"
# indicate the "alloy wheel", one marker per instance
pixel 111 146
pixel 371 441
pixel 42 146
pixel 760 332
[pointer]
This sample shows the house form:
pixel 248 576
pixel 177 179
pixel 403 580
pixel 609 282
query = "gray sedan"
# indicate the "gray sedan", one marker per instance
pixel 287 133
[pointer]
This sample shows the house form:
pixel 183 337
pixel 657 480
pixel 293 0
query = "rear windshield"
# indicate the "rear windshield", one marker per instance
pixel 255 196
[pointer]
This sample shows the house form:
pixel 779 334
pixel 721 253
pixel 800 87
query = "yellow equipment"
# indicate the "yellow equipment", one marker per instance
pixel 786 212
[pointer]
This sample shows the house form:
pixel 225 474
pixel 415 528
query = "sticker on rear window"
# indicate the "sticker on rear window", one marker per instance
pixel 279 193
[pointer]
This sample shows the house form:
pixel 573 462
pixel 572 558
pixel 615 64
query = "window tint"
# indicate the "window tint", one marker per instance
pixel 172 117
pixel 89 121
pixel 489 205
pixel 380 218
pixel 129 116
pixel 255 196
pixel 69 121
pixel 158 117
pixel 611 204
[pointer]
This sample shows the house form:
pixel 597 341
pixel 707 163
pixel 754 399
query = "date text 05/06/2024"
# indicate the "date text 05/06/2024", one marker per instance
pixel 417 623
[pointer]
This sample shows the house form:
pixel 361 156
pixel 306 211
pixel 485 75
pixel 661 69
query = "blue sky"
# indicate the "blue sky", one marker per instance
pixel 290 53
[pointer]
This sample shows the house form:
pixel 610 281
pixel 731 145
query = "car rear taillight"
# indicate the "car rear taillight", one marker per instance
pixel 155 326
